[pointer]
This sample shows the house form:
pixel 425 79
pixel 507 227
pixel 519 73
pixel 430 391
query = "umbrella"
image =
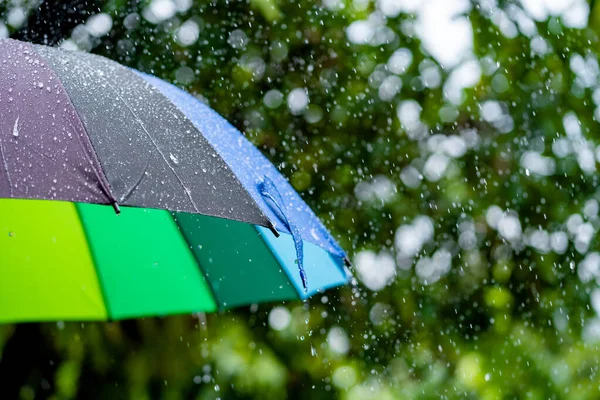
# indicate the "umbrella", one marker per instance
pixel 159 205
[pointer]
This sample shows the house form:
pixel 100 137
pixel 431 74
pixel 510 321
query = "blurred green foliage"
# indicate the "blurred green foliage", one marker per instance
pixel 511 318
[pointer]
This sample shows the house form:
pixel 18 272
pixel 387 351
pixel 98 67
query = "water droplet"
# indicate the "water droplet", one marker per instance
pixel 16 128
pixel 174 159
pixel 11 234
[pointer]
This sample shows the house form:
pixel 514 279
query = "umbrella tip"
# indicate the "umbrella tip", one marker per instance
pixel 116 207
pixel 347 262
pixel 273 229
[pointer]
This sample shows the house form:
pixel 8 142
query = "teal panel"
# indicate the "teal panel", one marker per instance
pixel 239 266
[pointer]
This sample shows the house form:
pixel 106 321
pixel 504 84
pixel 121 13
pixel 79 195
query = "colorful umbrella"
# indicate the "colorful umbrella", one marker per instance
pixel 160 205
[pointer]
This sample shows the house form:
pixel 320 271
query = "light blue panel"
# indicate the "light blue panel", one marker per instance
pixel 322 271
pixel 249 165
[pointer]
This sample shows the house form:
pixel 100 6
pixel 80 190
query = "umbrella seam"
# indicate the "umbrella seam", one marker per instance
pixel 218 304
pixel 268 224
pixel 288 274
pixel 262 204
pixel 86 145
pixel 95 263
pixel 137 184
pixel 139 121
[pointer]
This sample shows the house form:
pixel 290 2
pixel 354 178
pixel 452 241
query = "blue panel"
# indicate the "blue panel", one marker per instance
pixel 250 166
pixel 322 270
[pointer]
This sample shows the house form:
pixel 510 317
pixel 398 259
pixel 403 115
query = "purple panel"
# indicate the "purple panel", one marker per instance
pixel 45 152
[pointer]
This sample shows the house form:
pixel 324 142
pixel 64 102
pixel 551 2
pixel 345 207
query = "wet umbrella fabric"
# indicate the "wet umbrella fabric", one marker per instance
pixel 160 206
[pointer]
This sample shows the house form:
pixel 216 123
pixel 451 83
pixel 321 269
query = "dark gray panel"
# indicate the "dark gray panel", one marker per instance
pixel 152 155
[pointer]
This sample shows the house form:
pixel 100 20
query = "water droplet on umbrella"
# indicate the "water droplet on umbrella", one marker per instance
pixel 40 85
pixel 314 234
pixel 16 128
pixel 11 234
pixel 174 159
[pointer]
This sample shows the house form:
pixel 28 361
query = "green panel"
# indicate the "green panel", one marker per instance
pixel 145 265
pixel 236 261
pixel 46 270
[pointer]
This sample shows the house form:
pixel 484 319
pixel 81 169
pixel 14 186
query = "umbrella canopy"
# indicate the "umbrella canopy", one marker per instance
pixel 160 205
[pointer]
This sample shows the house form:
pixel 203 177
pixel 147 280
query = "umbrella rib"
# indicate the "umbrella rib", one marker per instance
pixel 104 184
pixel 200 132
pixel 79 129
pixel 139 121
pixel 132 189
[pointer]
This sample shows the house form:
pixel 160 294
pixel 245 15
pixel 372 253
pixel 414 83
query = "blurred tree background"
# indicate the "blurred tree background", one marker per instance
pixel 452 148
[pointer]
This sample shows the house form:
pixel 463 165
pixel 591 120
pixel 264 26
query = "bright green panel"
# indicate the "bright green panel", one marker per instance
pixel 46 271
pixel 238 264
pixel 145 266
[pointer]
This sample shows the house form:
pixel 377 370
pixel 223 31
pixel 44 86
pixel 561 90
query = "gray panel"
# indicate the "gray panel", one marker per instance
pixel 152 155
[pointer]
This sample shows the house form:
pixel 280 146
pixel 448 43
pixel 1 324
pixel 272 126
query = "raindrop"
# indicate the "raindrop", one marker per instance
pixel 237 39
pixel 16 128
pixel 298 101
pixel 273 98
pixel 280 318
